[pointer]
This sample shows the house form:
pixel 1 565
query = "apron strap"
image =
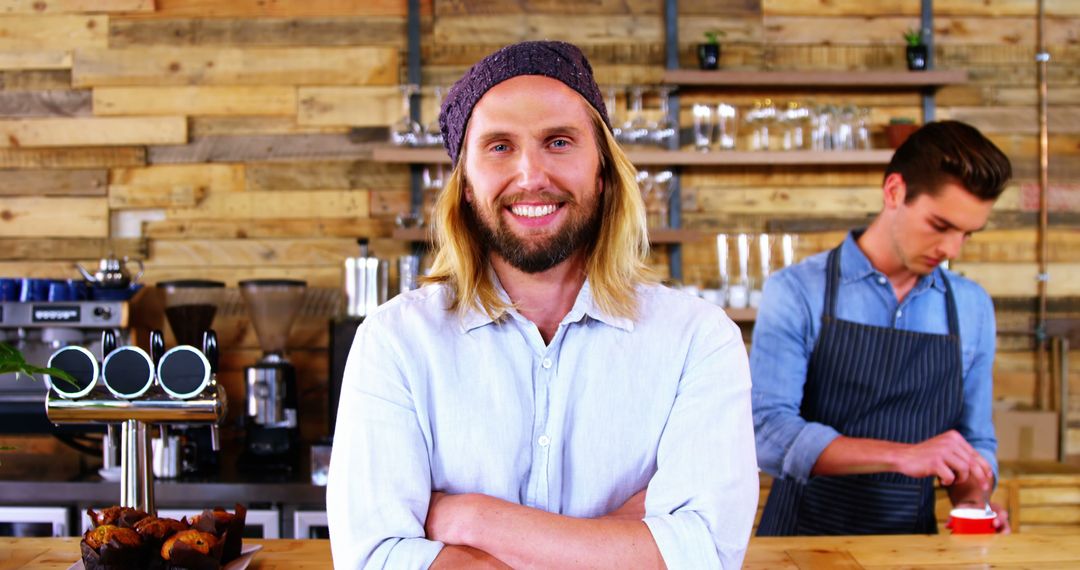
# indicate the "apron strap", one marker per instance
pixel 950 305
pixel 832 283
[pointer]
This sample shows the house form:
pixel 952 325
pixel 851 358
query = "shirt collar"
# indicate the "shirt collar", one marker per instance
pixel 855 266
pixel 584 306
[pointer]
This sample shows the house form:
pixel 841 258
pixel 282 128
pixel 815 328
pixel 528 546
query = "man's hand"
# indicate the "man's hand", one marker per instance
pixel 949 457
pixel 632 510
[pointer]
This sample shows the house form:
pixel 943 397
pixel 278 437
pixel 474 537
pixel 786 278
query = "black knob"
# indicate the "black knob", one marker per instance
pixel 210 349
pixel 157 345
pixel 102 312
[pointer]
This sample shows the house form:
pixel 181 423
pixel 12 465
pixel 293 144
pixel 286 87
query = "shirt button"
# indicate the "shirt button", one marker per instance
pixel 546 363
pixel 543 440
pixel 881 280
pixel 898 313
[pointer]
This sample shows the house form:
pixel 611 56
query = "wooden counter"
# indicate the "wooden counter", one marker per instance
pixel 806 553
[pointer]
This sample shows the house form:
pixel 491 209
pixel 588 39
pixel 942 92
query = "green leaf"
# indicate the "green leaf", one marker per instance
pixel 12 361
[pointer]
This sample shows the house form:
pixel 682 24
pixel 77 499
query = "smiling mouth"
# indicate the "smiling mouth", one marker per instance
pixel 533 210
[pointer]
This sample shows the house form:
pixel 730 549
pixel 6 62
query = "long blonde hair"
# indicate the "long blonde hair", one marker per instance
pixel 615 264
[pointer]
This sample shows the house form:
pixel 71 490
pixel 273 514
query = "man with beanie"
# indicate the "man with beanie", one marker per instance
pixel 542 401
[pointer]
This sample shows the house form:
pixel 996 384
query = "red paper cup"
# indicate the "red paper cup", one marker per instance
pixel 971 521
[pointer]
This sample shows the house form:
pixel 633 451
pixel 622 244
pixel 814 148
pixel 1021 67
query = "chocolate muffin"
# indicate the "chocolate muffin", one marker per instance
pixel 228 527
pixel 120 516
pixel 192 550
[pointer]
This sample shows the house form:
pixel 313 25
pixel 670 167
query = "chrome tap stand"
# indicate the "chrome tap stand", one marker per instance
pixel 134 417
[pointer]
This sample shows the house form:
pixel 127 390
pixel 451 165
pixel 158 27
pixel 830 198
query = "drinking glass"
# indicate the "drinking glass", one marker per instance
pixel 635 128
pixel 787 249
pixel 660 197
pixel 611 101
pixel 793 120
pixel 760 121
pixel 406 132
pixel 703 126
pixel 862 128
pixel 723 265
pixel 727 126
pixel 432 132
pixel 663 131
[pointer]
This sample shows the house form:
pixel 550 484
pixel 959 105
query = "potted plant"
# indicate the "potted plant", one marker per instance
pixel 12 361
pixel 709 52
pixel 898 130
pixel 918 55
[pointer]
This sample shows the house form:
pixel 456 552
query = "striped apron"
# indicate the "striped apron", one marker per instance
pixel 878 383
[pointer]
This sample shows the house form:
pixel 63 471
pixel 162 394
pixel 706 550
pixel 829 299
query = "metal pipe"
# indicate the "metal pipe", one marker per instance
pixel 136 480
pixel 207 410
pixel 1042 58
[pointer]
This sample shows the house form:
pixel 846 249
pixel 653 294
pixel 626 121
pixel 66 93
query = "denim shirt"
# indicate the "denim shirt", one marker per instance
pixel 787 328
pixel 436 402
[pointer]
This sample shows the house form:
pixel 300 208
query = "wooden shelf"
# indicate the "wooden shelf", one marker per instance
pixel 816 79
pixel 746 315
pixel 677 157
pixel 763 158
pixel 411 234
pixel 655 236
pixel 411 155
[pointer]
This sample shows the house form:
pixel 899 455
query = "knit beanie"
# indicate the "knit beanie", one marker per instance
pixel 557 60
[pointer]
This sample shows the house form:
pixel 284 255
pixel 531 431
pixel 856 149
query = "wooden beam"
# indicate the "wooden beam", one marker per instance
pixel 505 29
pixel 36 80
pixel 54 217
pixel 291 9
pixel 947 30
pixel 251 252
pixel 211 177
pixel 53 182
pixel 77 157
pixel 907 8
pixel 221 125
pixel 269 228
pixel 74 6
pixel 104 131
pixel 58 32
pixel 350 106
pixel 1018 279
pixel 35 59
pixel 258 32
pixel 203 101
pixel 292 205
pixel 231 66
pixel 51 249
pixel 353 175
pixel 66 103
pixel 263 148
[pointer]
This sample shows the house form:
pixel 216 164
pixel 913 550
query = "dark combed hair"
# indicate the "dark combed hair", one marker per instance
pixel 950 151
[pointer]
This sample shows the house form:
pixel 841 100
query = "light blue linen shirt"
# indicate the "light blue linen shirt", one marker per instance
pixel 434 402
pixel 787 328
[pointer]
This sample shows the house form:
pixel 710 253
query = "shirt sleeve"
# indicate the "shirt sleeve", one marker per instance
pixel 379 483
pixel 701 502
pixel 976 419
pixel 787 445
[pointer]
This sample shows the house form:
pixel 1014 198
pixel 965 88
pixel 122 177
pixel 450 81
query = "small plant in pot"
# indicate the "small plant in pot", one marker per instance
pixel 898 130
pixel 709 52
pixel 918 55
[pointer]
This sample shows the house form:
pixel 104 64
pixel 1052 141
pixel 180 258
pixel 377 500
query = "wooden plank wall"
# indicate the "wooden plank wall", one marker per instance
pixel 243 129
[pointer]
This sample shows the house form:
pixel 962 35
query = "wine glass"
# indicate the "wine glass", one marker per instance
pixel 611 101
pixel 432 135
pixel 661 196
pixel 663 131
pixel 406 131
pixel 635 129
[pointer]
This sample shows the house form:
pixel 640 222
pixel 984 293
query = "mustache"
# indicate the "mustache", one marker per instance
pixel 555 196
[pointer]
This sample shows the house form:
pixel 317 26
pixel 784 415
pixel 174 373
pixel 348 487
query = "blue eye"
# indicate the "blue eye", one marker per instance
pixel 500 148
pixel 560 143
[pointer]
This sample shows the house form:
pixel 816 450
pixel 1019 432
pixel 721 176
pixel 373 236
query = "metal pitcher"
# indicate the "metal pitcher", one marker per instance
pixel 367 282
pixel 112 273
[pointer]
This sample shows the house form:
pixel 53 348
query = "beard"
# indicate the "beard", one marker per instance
pixel 536 254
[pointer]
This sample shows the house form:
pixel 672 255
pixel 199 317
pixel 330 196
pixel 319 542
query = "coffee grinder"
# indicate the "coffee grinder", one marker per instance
pixel 190 308
pixel 270 402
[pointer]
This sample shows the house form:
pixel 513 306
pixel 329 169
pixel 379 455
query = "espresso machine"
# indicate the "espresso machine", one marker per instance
pixel 38 328
pixel 190 308
pixel 270 399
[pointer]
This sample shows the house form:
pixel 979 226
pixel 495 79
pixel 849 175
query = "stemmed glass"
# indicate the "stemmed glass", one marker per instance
pixel 635 129
pixel 660 196
pixel 406 132
pixel 432 130
pixel 611 101
pixel 664 131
